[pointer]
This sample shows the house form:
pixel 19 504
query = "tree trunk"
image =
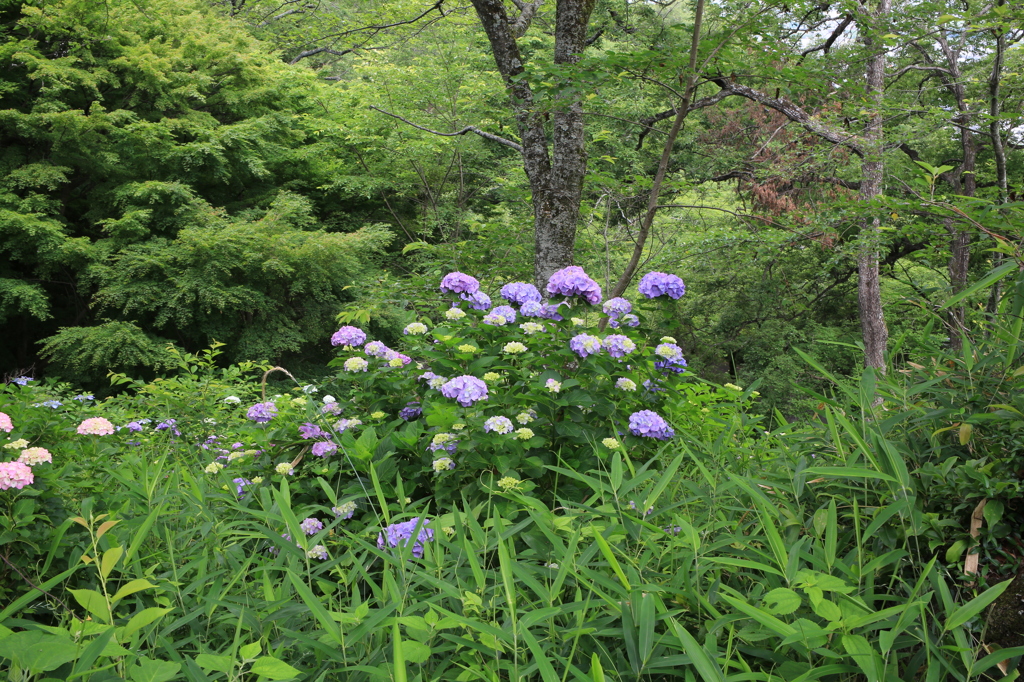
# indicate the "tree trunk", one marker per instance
pixel 556 178
pixel 869 292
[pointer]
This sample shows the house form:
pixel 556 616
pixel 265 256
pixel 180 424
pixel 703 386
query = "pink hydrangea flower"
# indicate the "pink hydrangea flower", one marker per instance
pixel 5 423
pixel 15 475
pixel 96 426
pixel 33 456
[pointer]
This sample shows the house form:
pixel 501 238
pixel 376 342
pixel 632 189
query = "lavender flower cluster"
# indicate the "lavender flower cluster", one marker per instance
pixel 400 534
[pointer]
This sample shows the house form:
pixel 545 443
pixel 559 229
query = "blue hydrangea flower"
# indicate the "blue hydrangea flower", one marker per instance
pixel 82 397
pixel 655 284
pixel 629 320
pixel 240 484
pixel 322 448
pixel 649 424
pixel 345 510
pixel 348 336
pixel 671 366
pixel 498 424
pixel 520 292
pixel 376 349
pixel 260 413
pixel 619 345
pixel 311 526
pixel 171 425
pixel 398 534
pixel 133 427
pixel 585 344
pixel 412 410
pixel 573 281
pixel 23 380
pixel 617 307
pixel 550 311
pixel 506 311
pixel 478 300
pixel 531 309
pixel 465 389
pixel 310 430
pixel 459 283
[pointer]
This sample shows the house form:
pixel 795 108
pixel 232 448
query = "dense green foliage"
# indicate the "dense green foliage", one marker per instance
pixel 729 552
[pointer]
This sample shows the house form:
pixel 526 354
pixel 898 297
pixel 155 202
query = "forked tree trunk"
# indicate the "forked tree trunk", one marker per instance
pixel 555 176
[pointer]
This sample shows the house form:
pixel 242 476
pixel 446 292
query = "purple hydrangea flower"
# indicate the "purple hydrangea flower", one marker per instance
pixel 345 510
pixel 466 389
pixel 478 300
pixel 261 413
pixel 133 427
pixel 629 320
pixel 322 448
pixel 520 292
pixel 673 366
pixel 649 425
pixel 550 311
pixel 655 284
pixel 443 441
pixel 412 410
pixel 348 336
pixel 616 307
pixel 311 526
pixel 401 534
pixel 459 283
pixel 240 484
pixel 572 281
pixel 331 408
pixel 531 309
pixel 169 425
pixel 585 344
pixel 506 311
pixel 376 349
pixel 310 430
pixel 619 345
pixel 390 355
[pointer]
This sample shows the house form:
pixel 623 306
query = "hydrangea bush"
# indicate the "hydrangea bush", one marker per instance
pixel 478 393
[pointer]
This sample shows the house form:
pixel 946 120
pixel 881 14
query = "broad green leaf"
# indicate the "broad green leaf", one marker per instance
pixel 142 619
pixel 250 651
pixel 222 664
pixel 131 588
pixel 93 602
pixel 38 651
pixel 414 652
pixel 863 655
pixel 993 512
pixel 149 670
pixel 782 601
pixel 274 669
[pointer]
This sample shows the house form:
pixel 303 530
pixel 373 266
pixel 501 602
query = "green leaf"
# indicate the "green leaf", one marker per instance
pixel 149 670
pixel 993 512
pixel 38 651
pixel 782 601
pixel 972 608
pixel 130 588
pixel 93 602
pixel 273 668
pixel 705 665
pixel 250 651
pixel 222 664
pixel 863 655
pixel 414 652
pixel 142 619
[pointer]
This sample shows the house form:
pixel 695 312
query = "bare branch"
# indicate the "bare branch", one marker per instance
pixel 282 15
pixel 701 103
pixel 827 45
pixel 919 67
pixel 795 114
pixel 321 50
pixel 527 10
pixel 468 129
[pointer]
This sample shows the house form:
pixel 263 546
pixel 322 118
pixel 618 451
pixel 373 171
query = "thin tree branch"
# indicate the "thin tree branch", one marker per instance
pixel 827 45
pixel 527 10
pixel 468 129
